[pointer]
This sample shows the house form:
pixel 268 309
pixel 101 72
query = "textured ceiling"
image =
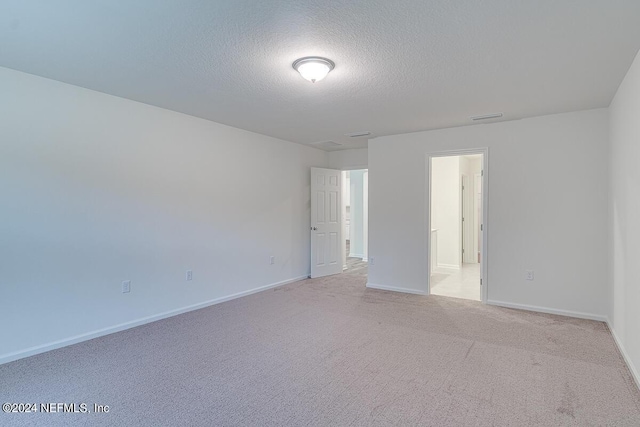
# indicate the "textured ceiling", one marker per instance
pixel 401 66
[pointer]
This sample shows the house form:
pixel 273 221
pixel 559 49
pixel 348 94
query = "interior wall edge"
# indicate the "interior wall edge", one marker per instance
pixel 395 289
pixel 548 310
pixel 623 352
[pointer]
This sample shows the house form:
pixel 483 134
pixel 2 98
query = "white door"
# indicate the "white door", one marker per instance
pixel 326 222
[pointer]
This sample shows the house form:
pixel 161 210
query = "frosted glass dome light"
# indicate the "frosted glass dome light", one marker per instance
pixel 313 68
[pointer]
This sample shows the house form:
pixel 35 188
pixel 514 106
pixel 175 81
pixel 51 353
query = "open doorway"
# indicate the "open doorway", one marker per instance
pixel 355 193
pixel 456 207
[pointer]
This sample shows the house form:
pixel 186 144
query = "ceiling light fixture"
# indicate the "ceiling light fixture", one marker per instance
pixel 313 68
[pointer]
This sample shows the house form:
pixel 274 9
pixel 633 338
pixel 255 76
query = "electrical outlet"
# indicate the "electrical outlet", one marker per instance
pixel 371 260
pixel 529 274
pixel 272 260
pixel 189 275
pixel 126 286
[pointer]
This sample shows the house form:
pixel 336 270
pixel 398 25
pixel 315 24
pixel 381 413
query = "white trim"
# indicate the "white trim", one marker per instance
pixel 484 264
pixel 395 289
pixel 352 255
pixel 568 313
pixel 9 357
pixel 625 356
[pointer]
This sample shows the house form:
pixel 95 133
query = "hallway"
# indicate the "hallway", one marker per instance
pixel 463 283
pixel 355 266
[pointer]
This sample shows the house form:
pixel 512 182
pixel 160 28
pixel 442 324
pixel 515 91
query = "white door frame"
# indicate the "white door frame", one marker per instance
pixel 365 216
pixel 484 276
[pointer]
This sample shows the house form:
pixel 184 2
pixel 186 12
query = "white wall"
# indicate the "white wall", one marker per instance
pixel 545 213
pixel 624 216
pixel 475 165
pixel 98 189
pixel 349 159
pixel 365 216
pixel 347 191
pixel 464 165
pixel 470 166
pixel 346 200
pixel 356 243
pixel 445 209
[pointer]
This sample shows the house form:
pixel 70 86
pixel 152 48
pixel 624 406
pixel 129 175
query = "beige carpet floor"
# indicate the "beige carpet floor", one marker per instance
pixel 330 352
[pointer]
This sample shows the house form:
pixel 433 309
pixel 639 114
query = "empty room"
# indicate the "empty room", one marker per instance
pixel 319 213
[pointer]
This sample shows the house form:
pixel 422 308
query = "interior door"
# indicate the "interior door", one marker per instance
pixel 326 222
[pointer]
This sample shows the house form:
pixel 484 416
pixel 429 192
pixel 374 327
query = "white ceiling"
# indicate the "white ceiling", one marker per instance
pixel 401 65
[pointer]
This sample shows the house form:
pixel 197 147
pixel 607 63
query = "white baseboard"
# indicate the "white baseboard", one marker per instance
pixel 396 289
pixel 352 255
pixel 9 357
pixel 578 314
pixel 625 356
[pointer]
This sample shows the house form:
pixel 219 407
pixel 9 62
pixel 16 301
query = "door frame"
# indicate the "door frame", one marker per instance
pixel 484 264
pixel 365 219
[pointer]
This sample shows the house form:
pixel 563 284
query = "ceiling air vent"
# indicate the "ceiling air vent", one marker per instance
pixel 326 144
pixel 357 134
pixel 487 117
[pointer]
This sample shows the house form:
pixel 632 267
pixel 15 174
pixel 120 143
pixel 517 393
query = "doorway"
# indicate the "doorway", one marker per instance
pixel 356 222
pixel 339 222
pixel 456 207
